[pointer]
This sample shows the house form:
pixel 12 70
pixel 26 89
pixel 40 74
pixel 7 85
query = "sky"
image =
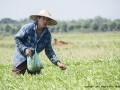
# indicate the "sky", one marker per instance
pixel 61 9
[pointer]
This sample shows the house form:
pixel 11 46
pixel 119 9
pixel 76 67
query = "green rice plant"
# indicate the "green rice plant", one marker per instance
pixel 92 62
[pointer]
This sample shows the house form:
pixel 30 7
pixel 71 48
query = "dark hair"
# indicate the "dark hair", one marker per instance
pixel 39 16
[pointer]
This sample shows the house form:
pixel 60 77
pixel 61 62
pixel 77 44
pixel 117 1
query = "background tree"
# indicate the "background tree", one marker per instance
pixel 118 26
pixel 103 27
pixel 94 26
pixel 70 27
pixel 112 26
pixel 9 26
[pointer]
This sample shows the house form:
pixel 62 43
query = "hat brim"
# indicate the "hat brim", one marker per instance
pixel 51 22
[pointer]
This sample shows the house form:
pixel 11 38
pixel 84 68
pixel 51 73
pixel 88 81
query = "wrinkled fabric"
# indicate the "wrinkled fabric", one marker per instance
pixel 27 38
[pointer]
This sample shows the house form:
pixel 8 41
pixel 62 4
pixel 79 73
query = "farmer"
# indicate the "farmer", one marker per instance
pixel 31 36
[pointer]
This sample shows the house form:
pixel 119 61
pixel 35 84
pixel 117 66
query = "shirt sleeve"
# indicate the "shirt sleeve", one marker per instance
pixel 19 37
pixel 50 53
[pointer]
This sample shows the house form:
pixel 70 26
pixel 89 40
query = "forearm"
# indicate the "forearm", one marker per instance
pixel 54 60
pixel 51 55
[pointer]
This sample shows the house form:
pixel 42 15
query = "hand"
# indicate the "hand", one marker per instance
pixel 62 66
pixel 28 52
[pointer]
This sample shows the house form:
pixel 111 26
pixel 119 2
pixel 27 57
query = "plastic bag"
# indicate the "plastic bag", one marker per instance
pixel 34 63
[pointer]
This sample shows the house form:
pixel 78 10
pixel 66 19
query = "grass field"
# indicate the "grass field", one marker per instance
pixel 92 60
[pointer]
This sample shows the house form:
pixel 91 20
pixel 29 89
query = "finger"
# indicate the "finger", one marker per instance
pixel 27 54
pixel 63 67
pixel 30 53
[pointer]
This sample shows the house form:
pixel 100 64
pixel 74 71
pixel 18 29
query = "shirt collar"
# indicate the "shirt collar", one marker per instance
pixel 44 30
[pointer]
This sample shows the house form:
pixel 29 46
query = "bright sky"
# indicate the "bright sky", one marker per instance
pixel 61 9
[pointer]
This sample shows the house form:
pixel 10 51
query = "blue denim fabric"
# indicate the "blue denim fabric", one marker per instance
pixel 27 38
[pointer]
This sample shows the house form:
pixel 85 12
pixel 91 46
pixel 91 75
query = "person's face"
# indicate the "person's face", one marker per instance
pixel 43 21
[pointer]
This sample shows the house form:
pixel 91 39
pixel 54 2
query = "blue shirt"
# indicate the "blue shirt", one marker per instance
pixel 27 38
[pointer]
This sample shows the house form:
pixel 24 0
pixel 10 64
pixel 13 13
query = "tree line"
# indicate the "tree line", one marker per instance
pixel 98 24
